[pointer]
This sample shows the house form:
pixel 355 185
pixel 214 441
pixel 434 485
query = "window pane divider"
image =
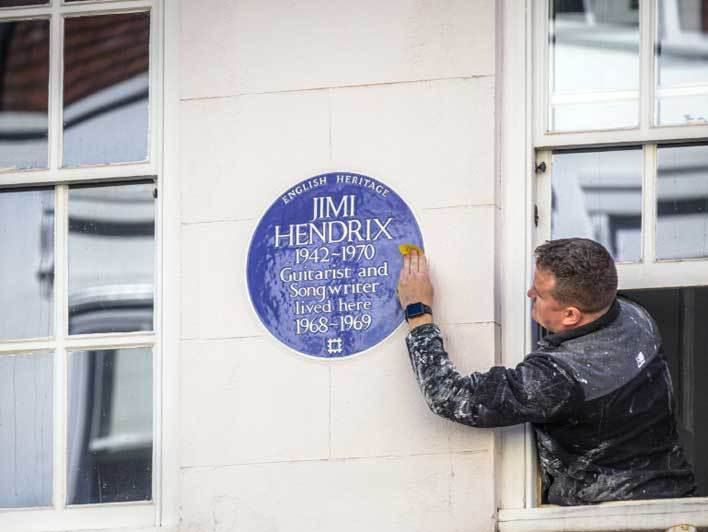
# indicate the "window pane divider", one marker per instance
pixel 622 137
pixel 106 7
pixel 647 43
pixel 541 68
pixel 56 48
pixel 15 347
pixel 123 172
pixel 108 341
pixel 79 343
pixel 649 204
pixel 664 274
pixel 61 234
pixel 24 13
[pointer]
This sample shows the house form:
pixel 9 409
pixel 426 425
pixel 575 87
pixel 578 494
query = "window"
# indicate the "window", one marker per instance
pixel 79 181
pixel 620 132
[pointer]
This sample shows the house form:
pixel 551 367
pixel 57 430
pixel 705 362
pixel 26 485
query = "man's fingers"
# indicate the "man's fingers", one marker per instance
pixel 422 264
pixel 406 268
pixel 414 260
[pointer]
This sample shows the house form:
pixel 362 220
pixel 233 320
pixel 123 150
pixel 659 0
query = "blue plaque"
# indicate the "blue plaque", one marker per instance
pixel 323 264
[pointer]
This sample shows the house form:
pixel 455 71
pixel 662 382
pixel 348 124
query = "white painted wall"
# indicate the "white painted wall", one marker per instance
pixel 272 92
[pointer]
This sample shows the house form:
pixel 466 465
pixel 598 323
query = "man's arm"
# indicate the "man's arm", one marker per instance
pixel 538 390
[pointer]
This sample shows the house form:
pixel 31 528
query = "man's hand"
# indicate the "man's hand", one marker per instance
pixel 414 286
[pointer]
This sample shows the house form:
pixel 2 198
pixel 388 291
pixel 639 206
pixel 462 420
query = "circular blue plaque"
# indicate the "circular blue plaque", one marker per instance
pixel 323 264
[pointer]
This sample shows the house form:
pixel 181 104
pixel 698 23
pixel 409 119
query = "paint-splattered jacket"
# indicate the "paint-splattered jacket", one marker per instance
pixel 599 397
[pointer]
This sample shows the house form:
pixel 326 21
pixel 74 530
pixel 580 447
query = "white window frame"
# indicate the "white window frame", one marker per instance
pixel 645 133
pixel 524 194
pixel 161 510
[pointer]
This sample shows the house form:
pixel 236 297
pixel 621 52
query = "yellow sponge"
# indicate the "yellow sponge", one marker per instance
pixel 405 249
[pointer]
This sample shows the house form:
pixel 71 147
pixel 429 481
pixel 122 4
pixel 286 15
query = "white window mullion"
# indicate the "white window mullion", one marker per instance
pixel 155 91
pixel 56 60
pixel 123 172
pixel 109 341
pixel 622 137
pixel 541 214
pixel 156 130
pixel 647 43
pixel 60 358
pixel 14 347
pixel 99 8
pixel 21 13
pixel 649 204
pixel 541 69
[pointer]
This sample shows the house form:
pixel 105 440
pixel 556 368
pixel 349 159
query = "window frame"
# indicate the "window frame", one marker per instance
pixel 138 514
pixel 644 134
pixel 522 69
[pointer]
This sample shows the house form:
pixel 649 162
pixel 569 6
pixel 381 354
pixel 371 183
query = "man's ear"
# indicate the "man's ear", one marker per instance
pixel 572 316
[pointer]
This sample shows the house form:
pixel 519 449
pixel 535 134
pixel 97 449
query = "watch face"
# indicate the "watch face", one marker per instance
pixel 414 309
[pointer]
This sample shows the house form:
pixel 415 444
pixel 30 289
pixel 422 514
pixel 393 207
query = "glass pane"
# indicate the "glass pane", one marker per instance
pixel 682 63
pixel 111 255
pixel 24 93
pixel 26 263
pixel 26 391
pixel 681 314
pixel 682 202
pixel 20 3
pixel 598 195
pixel 106 63
pixel 594 65
pixel 110 426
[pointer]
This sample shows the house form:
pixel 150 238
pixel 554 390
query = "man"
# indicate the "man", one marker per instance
pixel 597 389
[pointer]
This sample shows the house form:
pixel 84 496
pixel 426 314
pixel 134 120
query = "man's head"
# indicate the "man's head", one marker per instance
pixel 575 282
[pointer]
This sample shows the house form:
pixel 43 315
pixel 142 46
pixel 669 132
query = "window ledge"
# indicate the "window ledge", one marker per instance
pixel 659 514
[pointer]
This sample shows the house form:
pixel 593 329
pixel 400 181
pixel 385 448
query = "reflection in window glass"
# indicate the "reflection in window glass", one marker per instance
pixel 20 3
pixel 26 263
pixel 594 65
pixel 110 426
pixel 111 254
pixel 598 195
pixel 24 93
pixel 106 64
pixel 682 63
pixel 26 390
pixel 682 202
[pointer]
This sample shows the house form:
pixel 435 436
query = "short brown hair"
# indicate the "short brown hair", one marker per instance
pixel 585 272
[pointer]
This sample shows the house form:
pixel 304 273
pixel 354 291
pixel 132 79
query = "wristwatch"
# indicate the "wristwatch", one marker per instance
pixel 417 309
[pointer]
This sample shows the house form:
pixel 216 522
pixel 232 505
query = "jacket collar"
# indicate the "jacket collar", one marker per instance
pixel 603 321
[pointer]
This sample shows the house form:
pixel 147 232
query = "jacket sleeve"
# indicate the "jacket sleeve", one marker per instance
pixel 538 390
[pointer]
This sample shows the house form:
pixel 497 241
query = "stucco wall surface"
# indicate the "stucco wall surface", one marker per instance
pixel 275 91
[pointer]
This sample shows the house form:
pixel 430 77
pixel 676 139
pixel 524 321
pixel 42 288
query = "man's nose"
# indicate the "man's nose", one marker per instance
pixel 530 293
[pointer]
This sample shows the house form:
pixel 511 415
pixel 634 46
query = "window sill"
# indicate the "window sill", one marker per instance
pixel 659 514
pixel 136 516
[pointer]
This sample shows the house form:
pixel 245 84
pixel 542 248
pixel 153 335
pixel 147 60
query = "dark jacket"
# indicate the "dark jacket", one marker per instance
pixel 599 397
